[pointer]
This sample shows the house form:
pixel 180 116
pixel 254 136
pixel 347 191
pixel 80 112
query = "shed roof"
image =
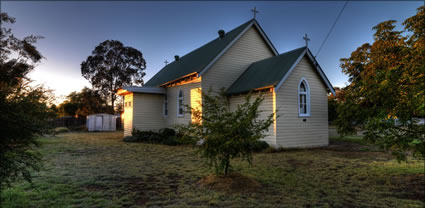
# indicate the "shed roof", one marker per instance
pixel 144 89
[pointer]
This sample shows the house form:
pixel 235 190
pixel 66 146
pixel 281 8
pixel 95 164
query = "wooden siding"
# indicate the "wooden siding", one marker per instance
pixel 248 49
pixel 196 103
pixel 291 130
pixel 128 115
pixel 172 119
pixel 266 109
pixel 147 114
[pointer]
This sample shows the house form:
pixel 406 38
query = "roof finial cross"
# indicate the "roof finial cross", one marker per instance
pixel 255 11
pixel 166 62
pixel 306 40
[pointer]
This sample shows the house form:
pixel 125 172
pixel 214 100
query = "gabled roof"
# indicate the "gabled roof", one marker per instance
pixel 272 72
pixel 199 60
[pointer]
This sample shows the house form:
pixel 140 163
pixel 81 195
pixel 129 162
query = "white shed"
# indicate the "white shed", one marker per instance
pixel 101 122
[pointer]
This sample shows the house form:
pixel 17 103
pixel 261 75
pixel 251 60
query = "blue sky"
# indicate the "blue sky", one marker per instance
pixel 162 29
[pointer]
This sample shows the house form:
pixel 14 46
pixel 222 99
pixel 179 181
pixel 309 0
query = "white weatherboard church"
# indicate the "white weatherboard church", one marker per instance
pixel 242 60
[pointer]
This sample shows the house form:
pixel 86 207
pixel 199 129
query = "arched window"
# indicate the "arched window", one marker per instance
pixel 180 103
pixel 303 98
pixel 165 106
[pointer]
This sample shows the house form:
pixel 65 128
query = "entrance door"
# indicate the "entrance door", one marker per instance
pixel 99 123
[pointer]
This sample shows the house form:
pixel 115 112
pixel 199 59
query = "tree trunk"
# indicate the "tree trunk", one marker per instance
pixel 112 102
pixel 226 168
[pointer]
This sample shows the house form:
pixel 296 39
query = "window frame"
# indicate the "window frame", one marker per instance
pixel 178 103
pixel 307 100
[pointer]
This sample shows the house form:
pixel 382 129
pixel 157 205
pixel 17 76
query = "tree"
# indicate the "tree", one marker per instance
pixel 24 111
pixel 113 65
pixel 83 103
pixel 387 92
pixel 226 134
pixel 333 103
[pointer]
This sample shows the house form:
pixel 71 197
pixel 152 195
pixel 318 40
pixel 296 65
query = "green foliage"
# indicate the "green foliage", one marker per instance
pixel 260 146
pixel 332 110
pixel 24 111
pixel 164 136
pixel 113 65
pixel 83 103
pixel 387 85
pixel 226 134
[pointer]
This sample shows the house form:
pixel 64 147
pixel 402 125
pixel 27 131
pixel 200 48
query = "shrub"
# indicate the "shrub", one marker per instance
pixel 260 146
pixel 167 132
pixel 164 136
pixel 130 139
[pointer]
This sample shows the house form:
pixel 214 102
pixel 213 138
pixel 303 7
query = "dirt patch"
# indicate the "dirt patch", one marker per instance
pixel 410 186
pixel 234 182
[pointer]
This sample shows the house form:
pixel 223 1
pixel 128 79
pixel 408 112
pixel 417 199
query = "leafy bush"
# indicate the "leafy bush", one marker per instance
pixel 130 139
pixel 167 132
pixel 164 136
pixel 260 146
pixel 227 134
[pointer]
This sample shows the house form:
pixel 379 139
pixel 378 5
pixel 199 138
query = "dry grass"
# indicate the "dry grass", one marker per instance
pixel 99 170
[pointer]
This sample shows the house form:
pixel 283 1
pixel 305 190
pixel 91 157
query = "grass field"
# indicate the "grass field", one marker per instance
pixel 99 170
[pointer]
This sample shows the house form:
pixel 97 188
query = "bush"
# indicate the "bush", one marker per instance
pixel 260 146
pixel 164 136
pixel 167 132
pixel 130 139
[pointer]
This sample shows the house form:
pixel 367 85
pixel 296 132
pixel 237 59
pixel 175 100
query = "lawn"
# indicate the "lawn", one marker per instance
pixel 99 170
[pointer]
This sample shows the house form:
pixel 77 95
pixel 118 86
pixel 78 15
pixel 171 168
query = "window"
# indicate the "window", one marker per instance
pixel 180 103
pixel 129 103
pixel 165 106
pixel 303 98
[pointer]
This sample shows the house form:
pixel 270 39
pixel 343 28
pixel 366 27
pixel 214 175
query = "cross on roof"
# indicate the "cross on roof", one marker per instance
pixel 166 62
pixel 306 40
pixel 255 11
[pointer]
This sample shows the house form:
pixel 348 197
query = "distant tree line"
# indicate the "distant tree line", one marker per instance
pixel 82 104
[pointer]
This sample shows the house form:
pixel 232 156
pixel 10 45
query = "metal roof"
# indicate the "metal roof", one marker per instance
pixel 199 60
pixel 144 89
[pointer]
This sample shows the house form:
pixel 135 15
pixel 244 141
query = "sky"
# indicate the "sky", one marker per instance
pixel 161 30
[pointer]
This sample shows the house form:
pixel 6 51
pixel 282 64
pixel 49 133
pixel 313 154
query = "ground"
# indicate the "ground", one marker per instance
pixel 99 170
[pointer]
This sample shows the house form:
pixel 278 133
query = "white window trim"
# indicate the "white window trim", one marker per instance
pixel 308 114
pixel 163 106
pixel 178 106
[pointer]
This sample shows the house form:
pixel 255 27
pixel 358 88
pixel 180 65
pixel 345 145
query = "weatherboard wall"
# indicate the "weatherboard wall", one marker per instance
pixel 147 112
pixel 172 118
pixel 266 109
pixel 292 131
pixel 128 115
pixel 249 48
